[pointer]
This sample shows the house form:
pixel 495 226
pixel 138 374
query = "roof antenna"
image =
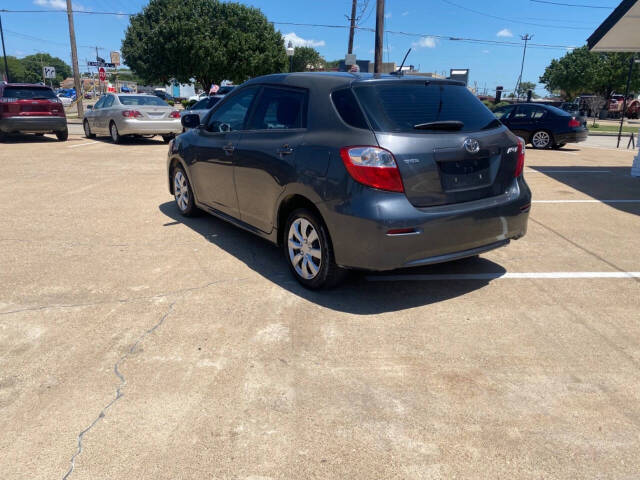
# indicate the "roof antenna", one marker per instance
pixel 399 71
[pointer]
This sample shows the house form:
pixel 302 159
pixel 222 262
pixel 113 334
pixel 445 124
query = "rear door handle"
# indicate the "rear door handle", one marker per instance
pixel 228 149
pixel 285 150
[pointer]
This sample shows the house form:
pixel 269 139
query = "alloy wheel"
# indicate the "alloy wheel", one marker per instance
pixel 541 139
pixel 114 132
pixel 305 251
pixel 181 190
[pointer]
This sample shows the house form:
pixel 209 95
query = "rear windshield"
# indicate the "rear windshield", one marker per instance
pixel 559 112
pixel 399 107
pixel 142 100
pixel 28 93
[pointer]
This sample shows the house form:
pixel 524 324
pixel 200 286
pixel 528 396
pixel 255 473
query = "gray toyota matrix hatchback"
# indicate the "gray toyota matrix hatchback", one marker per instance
pixel 355 171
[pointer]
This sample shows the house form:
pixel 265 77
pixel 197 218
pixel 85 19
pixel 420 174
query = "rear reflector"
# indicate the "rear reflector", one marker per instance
pixel 131 113
pixel 372 166
pixel 175 114
pixel 573 123
pixel 520 161
pixel 401 231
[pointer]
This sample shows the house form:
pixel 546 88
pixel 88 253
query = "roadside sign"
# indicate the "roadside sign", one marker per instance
pixel 102 74
pixel 101 64
pixel 350 59
pixel 49 72
pixel 115 58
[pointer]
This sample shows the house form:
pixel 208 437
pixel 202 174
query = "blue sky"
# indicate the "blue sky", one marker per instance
pixel 489 65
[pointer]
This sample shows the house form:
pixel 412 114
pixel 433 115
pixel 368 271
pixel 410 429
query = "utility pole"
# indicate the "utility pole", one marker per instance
pixel 352 29
pixel 626 94
pixel 526 37
pixel 377 65
pixel 4 53
pixel 74 61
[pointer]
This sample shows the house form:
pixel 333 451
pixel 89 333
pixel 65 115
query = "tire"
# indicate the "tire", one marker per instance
pixel 62 135
pixel 558 146
pixel 87 130
pixel 168 138
pixel 308 251
pixel 541 139
pixel 115 135
pixel 183 193
pixel 39 134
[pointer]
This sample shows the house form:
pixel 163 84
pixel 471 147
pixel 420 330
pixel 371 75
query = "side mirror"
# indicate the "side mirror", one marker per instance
pixel 190 120
pixel 89 107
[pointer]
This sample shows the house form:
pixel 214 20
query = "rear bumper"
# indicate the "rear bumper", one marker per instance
pixel 571 137
pixel 32 124
pixel 358 228
pixel 149 127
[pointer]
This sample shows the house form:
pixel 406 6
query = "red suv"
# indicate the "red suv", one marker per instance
pixel 29 108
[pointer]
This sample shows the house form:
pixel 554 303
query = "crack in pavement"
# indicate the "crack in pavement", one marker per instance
pixel 119 394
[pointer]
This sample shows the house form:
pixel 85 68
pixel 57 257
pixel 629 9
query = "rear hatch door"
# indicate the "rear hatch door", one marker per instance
pixel 448 146
pixel 31 100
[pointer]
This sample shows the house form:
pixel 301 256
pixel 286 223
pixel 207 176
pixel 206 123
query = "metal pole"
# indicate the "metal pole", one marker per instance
pixel 4 52
pixel 352 29
pixel 526 37
pixel 377 65
pixel 74 60
pixel 626 94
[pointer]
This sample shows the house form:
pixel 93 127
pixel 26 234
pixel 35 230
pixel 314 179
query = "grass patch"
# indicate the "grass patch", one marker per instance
pixel 610 128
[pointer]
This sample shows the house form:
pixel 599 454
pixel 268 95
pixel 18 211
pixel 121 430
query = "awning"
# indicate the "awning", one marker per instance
pixel 620 32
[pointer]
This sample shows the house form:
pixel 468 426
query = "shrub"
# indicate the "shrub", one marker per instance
pixel 171 102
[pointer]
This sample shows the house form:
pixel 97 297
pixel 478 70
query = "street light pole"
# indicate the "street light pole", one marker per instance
pixel 4 52
pixel 377 63
pixel 290 52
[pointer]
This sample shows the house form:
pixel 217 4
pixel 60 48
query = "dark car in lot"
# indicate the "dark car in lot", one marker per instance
pixel 543 126
pixel 29 108
pixel 351 171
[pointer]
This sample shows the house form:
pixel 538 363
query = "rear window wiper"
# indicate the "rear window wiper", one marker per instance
pixel 441 125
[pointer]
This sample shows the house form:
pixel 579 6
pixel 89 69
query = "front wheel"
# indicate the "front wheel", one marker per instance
pixel 541 139
pixel 308 251
pixel 115 135
pixel 62 135
pixel 87 130
pixel 183 193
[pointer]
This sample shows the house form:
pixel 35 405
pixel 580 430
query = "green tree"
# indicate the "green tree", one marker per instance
pixel 33 64
pixel 307 58
pixel 582 71
pixel 16 69
pixel 332 64
pixel 206 40
pixel 524 87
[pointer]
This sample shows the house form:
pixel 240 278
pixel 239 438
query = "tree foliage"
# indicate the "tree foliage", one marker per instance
pixel 206 40
pixel 524 87
pixel 29 68
pixel 307 58
pixel 582 71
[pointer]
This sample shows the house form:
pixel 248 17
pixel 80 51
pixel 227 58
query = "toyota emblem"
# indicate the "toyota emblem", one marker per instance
pixel 471 145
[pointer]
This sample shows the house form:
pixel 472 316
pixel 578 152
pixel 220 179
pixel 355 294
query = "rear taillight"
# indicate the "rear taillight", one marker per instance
pixel 175 114
pixel 8 100
pixel 520 161
pixel 131 113
pixel 573 123
pixel 372 166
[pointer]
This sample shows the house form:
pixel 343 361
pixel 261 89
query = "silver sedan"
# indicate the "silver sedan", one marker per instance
pixel 121 114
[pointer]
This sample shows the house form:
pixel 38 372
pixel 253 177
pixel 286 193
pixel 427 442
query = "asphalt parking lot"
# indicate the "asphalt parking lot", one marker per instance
pixel 137 344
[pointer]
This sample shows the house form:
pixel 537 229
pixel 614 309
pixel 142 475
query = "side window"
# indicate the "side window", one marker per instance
pixel 345 102
pixel 524 112
pixel 503 112
pixel 232 114
pixel 538 113
pixel 99 104
pixel 108 101
pixel 279 108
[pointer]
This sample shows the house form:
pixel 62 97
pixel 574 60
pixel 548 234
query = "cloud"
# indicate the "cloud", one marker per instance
pixel 505 32
pixel 387 15
pixel 301 42
pixel 57 4
pixel 425 42
pixel 404 14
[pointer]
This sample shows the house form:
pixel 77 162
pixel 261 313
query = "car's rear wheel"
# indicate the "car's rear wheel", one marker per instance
pixel 115 135
pixel 309 252
pixel 62 135
pixel 183 193
pixel 87 130
pixel 541 139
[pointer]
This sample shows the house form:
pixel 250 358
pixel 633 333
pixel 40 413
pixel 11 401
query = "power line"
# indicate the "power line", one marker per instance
pixel 449 2
pixel 571 4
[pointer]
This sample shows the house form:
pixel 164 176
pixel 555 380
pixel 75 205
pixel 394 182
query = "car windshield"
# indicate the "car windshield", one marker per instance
pixel 28 93
pixel 400 106
pixel 141 100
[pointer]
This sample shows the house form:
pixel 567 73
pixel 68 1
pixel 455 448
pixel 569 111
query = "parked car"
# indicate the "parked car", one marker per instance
pixel 122 114
pixel 202 107
pixel 423 173
pixel 163 95
pixel 30 108
pixel 573 108
pixel 66 101
pixel 541 125
pixel 198 97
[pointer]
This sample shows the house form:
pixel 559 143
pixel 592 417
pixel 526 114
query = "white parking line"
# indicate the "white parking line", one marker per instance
pixel 585 201
pixel 82 144
pixel 503 275
pixel 567 171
